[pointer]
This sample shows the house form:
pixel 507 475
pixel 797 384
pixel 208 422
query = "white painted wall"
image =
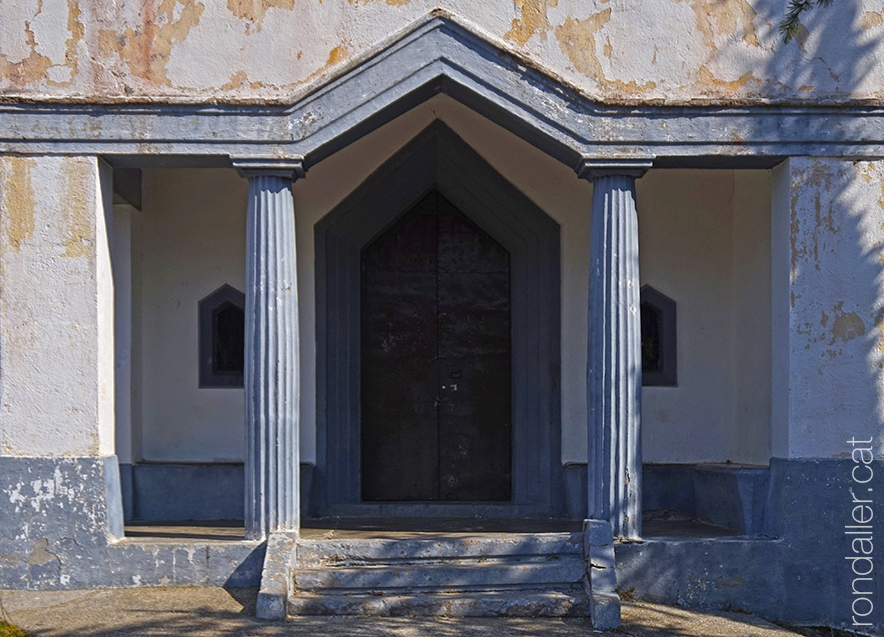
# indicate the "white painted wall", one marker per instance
pixel 693 225
pixel 751 318
pixel 828 306
pixel 190 240
pixel 699 233
pixel 56 308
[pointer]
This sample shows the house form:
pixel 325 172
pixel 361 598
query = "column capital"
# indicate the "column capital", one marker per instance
pixel 592 168
pixel 291 168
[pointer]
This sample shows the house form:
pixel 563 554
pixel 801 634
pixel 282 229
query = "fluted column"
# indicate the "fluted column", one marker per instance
pixel 614 370
pixel 271 349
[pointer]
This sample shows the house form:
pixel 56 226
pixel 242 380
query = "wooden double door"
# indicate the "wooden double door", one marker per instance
pixel 436 421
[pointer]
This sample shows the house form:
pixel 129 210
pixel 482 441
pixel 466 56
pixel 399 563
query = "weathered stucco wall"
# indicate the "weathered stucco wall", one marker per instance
pixel 190 240
pixel 828 306
pixel 56 308
pixel 661 50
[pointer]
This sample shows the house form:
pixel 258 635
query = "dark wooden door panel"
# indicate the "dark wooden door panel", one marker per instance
pixel 475 434
pixel 436 389
pixel 400 459
pixel 475 448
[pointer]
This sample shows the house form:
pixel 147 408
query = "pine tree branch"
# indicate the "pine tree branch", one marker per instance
pixel 789 25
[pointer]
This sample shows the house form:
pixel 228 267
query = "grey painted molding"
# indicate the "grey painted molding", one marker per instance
pixel 439 54
pixel 290 169
pixel 271 354
pixel 614 379
pixel 593 168
pixel 438 159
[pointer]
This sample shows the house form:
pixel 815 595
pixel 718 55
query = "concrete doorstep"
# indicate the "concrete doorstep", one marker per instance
pixel 207 611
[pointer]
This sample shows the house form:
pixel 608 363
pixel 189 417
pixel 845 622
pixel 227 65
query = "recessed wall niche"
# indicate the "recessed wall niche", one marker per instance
pixel 659 348
pixel 222 338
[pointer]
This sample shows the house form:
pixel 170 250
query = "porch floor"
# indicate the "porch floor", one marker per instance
pixel 656 524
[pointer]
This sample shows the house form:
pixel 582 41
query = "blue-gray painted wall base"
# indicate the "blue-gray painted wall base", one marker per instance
pixel 113 497
pixel 734 497
pixel 60 542
pixel 670 486
pixel 58 518
pixel 127 491
pixel 172 492
pixel 801 577
pixel 53 512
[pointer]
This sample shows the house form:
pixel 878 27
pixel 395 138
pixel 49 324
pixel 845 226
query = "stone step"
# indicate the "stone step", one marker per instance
pixel 483 573
pixel 436 548
pixel 461 604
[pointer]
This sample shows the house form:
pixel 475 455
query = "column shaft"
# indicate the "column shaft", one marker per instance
pixel 271 358
pixel 614 378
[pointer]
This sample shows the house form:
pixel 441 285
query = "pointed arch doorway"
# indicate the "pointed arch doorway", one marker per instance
pixel 437 166
pixel 435 360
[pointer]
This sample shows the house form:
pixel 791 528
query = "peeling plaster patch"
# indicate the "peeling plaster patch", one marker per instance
pixel 577 40
pixel 336 55
pixel 253 10
pixel 239 80
pixel 16 201
pixel 816 185
pixel 79 229
pixel 15 496
pixel 847 325
pixel 66 73
pixel 533 19
pixel 870 20
pixel 705 77
pixel 27 69
pixel 716 18
pixel 147 51
pixel 50 31
pixel 39 556
pixel 51 39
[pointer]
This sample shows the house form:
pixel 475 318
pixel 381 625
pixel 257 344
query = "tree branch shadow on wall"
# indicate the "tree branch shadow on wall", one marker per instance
pixel 803 577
